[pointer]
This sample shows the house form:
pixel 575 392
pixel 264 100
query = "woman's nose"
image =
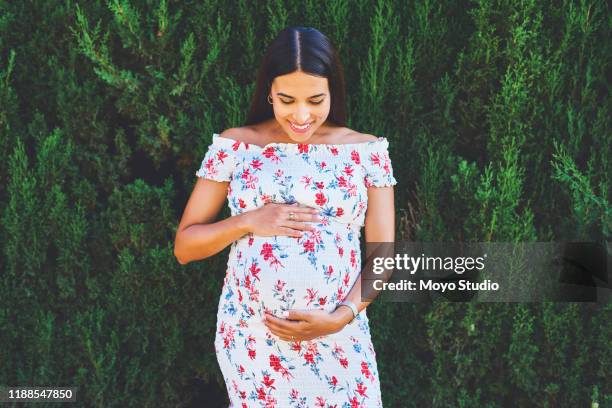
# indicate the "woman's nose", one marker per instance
pixel 301 116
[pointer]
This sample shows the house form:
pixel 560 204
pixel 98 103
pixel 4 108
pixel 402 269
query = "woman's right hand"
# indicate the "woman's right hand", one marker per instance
pixel 273 219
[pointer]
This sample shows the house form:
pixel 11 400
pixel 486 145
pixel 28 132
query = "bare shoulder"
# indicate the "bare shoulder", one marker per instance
pixel 242 134
pixel 357 137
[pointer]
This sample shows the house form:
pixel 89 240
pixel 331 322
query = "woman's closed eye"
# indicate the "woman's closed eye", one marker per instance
pixel 314 103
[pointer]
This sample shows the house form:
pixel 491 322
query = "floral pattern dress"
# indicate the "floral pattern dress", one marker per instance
pixel 315 271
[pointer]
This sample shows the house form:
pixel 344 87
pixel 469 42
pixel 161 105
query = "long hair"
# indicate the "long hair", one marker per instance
pixel 299 49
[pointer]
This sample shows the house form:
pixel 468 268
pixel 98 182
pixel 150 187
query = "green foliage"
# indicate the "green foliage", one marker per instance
pixel 498 117
pixel 592 213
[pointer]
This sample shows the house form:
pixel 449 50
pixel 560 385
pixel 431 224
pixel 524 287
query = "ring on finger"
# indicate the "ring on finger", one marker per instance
pixel 291 216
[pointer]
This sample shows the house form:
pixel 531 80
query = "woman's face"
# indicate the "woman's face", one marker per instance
pixel 302 100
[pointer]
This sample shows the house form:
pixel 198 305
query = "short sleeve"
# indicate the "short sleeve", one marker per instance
pixel 377 164
pixel 218 163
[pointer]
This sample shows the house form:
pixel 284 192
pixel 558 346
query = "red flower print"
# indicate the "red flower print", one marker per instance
pixel 294 393
pixel 339 211
pixel 355 157
pixel 312 294
pixel 236 145
pixel 330 271
pixel 241 203
pixel 361 390
pixel 344 362
pixel 221 155
pixel 254 270
pixel 266 251
pixel 269 152
pixel 275 362
pixel 341 181
pixel 333 380
pixel 323 164
pixel 321 200
pixel 279 285
pixel 270 402
pixel 334 151
pixel 306 180
pixel 309 358
pixel 249 179
pixel 375 158
pixel 309 246
pixel 346 279
pixel 210 166
pixel 261 394
pixel 322 300
pixel 228 335
pixel 256 164
pixel 365 370
pixel 252 354
pixel 362 206
pixel 355 403
pixel 303 148
pixel 319 185
pixel 348 170
pixel 320 402
pixel 267 381
pixel 276 366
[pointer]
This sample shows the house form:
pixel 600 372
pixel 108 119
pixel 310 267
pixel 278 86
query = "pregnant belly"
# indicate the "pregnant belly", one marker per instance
pixel 280 273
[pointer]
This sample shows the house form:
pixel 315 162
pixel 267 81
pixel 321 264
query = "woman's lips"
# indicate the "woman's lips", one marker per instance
pixel 298 130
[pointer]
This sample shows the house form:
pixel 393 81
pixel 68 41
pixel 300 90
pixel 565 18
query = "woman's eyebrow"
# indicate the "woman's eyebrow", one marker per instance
pixel 289 96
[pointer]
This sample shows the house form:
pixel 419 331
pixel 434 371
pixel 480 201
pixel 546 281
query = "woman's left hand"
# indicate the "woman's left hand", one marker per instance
pixel 301 325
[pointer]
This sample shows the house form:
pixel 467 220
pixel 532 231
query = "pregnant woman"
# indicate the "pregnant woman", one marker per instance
pixel 292 330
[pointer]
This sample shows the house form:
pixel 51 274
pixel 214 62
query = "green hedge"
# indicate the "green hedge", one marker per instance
pixel 498 115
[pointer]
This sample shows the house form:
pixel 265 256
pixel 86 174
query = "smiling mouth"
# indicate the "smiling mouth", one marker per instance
pixel 301 128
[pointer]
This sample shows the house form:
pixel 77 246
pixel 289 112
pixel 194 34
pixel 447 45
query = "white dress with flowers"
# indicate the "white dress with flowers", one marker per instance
pixel 279 273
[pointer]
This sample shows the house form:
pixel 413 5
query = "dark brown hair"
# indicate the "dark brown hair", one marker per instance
pixel 299 49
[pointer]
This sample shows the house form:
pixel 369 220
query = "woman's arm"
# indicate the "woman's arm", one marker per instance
pixel 379 227
pixel 198 236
